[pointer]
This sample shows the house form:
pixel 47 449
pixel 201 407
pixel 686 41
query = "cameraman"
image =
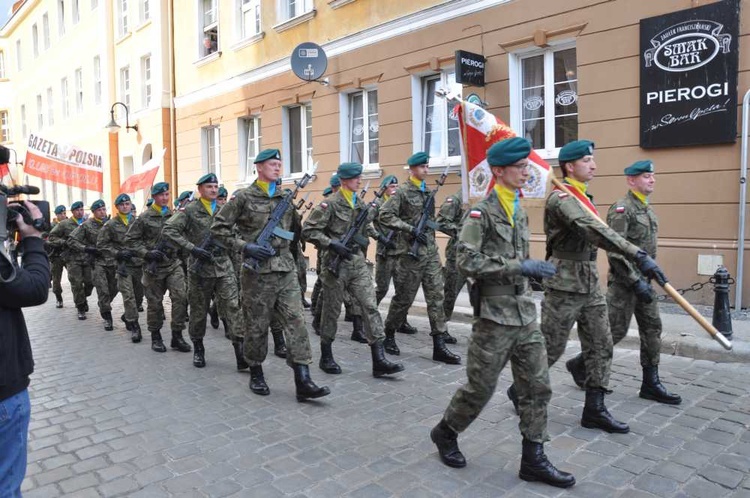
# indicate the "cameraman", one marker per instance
pixel 29 288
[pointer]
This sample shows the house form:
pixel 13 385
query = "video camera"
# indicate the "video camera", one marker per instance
pixel 8 226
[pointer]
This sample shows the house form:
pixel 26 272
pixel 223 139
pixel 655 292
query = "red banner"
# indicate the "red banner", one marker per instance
pixel 4 170
pixel 144 179
pixel 66 164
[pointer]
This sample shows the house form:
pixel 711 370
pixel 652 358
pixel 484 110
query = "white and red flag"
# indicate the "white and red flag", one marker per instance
pixel 144 179
pixel 64 163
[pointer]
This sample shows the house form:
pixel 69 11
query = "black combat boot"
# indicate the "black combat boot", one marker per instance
pixel 199 353
pixel 107 316
pixel 380 364
pixel 348 317
pixel 536 468
pixel 258 381
pixel 239 356
pixel 446 440
pixel 327 363
pixel 596 416
pixel 179 343
pixel 306 388
pixel 140 308
pixel 449 339
pixel 390 343
pixel 156 343
pixel 59 303
pixel 127 323
pixel 653 389
pixel 279 345
pixel 86 307
pixel 513 396
pixel 135 331
pixel 213 314
pixel 441 353
pixel 408 329
pixel 577 368
pixel 358 330
pixel 81 313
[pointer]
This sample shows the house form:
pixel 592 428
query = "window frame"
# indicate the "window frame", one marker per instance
pixel 24 124
pixel 46 31
pixel 283 7
pixel 39 112
pixel 210 30
pixel 3 72
pixel 345 101
pixel 19 56
pixel 50 106
pixel 35 39
pixel 79 89
pixel 97 71
pixel 246 156
pixel 125 85
pixel 211 151
pixel 146 82
pixel 122 18
pixel 61 18
pixel 304 145
pixel 243 7
pixel 76 12
pixel 65 97
pixel 5 125
pixel 144 11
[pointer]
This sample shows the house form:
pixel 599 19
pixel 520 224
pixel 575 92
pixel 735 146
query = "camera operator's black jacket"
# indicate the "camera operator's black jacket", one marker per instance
pixel 30 288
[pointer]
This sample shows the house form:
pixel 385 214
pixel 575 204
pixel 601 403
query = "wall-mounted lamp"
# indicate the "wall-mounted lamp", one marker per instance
pixel 113 127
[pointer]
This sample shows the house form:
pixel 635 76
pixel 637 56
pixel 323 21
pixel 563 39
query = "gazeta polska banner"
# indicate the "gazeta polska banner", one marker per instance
pixel 63 163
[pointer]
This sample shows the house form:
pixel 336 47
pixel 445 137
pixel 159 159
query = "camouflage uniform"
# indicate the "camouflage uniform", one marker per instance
pixel 275 287
pixel 449 218
pixel 57 264
pixel 110 241
pixel 637 223
pixel 385 258
pixel 145 235
pixel 505 327
pixel 104 267
pixel 80 272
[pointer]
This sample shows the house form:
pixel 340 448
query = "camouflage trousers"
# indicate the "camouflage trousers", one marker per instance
pixel 490 347
pixel 80 276
pixel 127 284
pixel 384 268
pixel 172 279
pixel 56 266
pixel 263 295
pixel 355 279
pixel 622 303
pixel 409 274
pixel 560 310
pixel 200 290
pixel 302 273
pixel 454 282
pixel 105 282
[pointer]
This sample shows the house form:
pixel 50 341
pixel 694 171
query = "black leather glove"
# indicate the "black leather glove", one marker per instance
pixel 537 269
pixel 649 268
pixel 261 253
pixel 124 255
pixel 340 248
pixel 201 254
pixel 155 255
pixel 643 291
pixel 386 241
pixel 91 250
pixel 419 237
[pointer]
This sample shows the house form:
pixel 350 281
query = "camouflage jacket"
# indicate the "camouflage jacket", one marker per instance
pixel 249 211
pixel 490 250
pixel 189 228
pixel 573 236
pixel 331 219
pixel 637 223
pixel 401 212
pixel 85 236
pixel 449 218
pixel 381 249
pixel 58 240
pixel 145 235
pixel 111 239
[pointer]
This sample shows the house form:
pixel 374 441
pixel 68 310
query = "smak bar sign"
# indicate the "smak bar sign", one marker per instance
pixel 689 64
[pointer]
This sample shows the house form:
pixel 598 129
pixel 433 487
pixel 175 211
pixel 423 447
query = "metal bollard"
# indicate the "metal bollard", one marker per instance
pixel 722 318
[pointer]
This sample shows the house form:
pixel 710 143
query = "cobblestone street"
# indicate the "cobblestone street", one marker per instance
pixel 110 418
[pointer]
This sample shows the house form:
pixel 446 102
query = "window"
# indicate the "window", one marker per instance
pixel 61 17
pixel 210 31
pixel 438 124
pixel 39 112
pixel 146 84
pixel 122 18
pixel 19 54
pixel 94 4
pixel 211 150
pixel 45 30
pixel 50 107
pixel 79 90
pixel 544 98
pixel 144 11
pixel 4 127
pixel 2 65
pixel 293 8
pixel 125 85
pixel 65 96
pixel 76 12
pixel 249 18
pixel 250 145
pixel 35 39
pixel 363 127
pixel 298 139
pixel 24 128
pixel 97 80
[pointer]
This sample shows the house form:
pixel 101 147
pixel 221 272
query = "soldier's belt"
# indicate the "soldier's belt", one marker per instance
pixel 501 290
pixel 575 256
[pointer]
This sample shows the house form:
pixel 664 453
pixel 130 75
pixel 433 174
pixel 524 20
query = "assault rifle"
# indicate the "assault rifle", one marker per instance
pixel 424 221
pixel 352 235
pixel 272 228
pixel 302 201
pixel 209 244
pixel 164 247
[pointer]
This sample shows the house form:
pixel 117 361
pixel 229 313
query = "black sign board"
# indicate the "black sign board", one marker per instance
pixel 689 64
pixel 309 61
pixel 470 68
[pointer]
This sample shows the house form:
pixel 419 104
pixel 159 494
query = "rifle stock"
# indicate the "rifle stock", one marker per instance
pixel 424 220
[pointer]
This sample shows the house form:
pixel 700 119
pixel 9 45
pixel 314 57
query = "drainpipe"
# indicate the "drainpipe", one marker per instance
pixel 743 198
pixel 172 115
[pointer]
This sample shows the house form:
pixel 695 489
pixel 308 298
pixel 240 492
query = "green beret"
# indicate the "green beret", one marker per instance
pixel 418 158
pixel 575 150
pixel 389 180
pixel 76 205
pixel 638 167
pixel 159 188
pixel 327 191
pixel 60 209
pixel 508 151
pixel 122 198
pixel 207 178
pixel 223 192
pixel 267 154
pixel 97 204
pixel 149 203
pixel 347 171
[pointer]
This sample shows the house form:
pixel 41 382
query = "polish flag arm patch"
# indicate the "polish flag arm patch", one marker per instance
pixel 324 205
pixel 562 195
pixel 475 214
pixel 449 199
pixel 620 209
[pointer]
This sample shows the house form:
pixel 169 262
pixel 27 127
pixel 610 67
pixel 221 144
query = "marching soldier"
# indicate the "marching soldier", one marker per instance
pixel 274 288
pixel 449 218
pixel 325 227
pixel 209 269
pixel 316 302
pixel 629 291
pixel 162 270
pixel 402 212
pixel 213 311
pixel 57 263
pixel 573 295
pixel 111 243
pixel 83 239
pixel 493 248
pixel 80 273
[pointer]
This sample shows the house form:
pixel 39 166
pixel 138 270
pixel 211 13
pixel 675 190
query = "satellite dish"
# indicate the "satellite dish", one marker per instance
pixel 309 61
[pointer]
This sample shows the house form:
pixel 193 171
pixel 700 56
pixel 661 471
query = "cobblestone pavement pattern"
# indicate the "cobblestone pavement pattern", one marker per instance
pixel 112 418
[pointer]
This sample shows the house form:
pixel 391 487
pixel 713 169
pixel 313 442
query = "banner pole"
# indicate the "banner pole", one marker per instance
pixel 464 158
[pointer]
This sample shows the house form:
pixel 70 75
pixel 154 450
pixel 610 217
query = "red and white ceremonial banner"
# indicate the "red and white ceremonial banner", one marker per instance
pixel 4 170
pixel 144 179
pixel 480 129
pixel 62 163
